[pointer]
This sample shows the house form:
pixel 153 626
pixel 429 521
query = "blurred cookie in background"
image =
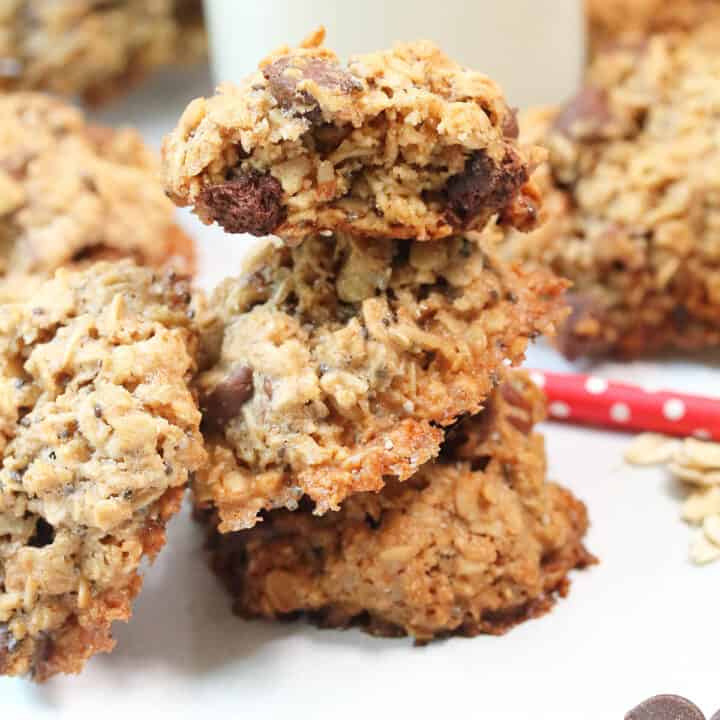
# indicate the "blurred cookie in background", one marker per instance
pixel 632 199
pixel 94 49
pixel 72 193
pixel 628 22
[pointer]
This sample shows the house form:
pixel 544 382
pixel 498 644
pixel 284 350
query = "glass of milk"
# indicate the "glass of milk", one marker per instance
pixel 534 49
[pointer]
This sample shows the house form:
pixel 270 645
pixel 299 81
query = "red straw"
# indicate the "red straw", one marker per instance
pixel 591 400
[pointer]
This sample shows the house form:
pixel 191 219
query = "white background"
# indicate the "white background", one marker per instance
pixel 642 622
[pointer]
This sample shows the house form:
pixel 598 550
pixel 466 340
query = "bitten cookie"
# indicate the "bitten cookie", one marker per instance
pixel 334 365
pixel 397 144
pixel 99 433
pixel 633 199
pixel 475 542
pixel 73 193
pixel 91 48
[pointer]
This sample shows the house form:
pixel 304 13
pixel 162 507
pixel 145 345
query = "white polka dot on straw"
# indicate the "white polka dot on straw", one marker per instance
pixel 538 379
pixel 674 409
pixel 559 409
pixel 596 385
pixel 619 412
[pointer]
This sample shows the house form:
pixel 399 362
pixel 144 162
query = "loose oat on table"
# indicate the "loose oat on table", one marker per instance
pixel 333 366
pixel 72 193
pixel 93 48
pixel 475 542
pixel 99 433
pixel 397 144
pixel 696 464
pixel 633 199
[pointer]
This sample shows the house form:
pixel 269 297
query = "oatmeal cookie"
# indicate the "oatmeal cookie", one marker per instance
pixel 633 199
pixel 93 48
pixel 71 193
pixel 397 144
pixel 475 542
pixel 99 433
pixel 334 365
pixel 629 22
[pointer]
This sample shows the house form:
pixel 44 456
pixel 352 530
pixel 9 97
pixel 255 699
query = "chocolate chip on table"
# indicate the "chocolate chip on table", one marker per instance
pixel 666 707
pixel 223 403
pixel 484 186
pixel 284 76
pixel 586 115
pixel 249 203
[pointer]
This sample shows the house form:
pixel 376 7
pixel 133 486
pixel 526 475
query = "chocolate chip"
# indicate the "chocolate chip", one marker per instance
pixel 249 203
pixel 484 186
pixel 44 534
pixel 510 126
pixel 223 403
pixel 586 115
pixel 329 137
pixel 666 707
pixel 285 74
pixel 582 334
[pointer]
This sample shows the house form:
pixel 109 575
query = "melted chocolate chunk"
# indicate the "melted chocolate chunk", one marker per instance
pixel 250 203
pixel 223 403
pixel 666 707
pixel 285 75
pixel 586 115
pixel 44 534
pixel 582 333
pixel 484 187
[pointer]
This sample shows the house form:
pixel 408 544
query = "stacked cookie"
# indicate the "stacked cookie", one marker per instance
pixel 372 457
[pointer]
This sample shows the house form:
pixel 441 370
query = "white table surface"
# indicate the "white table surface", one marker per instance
pixel 642 622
